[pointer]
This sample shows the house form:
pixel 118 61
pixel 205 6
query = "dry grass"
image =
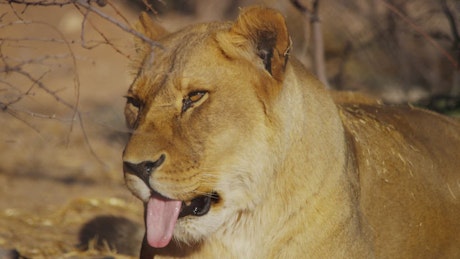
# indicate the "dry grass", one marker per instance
pixel 53 232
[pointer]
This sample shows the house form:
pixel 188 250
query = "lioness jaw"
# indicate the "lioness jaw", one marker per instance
pixel 238 152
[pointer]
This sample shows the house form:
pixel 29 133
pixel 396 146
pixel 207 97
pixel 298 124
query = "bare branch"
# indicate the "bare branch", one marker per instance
pixel 13 114
pixel 319 63
pixel 299 6
pixel 101 3
pixel 18 68
pixel 121 25
pixel 88 143
pixel 87 4
pixel 453 26
pixel 106 41
pixel 455 90
pixel 26 93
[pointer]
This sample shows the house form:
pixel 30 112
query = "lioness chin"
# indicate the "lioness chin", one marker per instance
pixel 238 152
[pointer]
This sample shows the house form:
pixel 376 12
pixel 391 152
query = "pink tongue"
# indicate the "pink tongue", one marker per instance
pixel 161 218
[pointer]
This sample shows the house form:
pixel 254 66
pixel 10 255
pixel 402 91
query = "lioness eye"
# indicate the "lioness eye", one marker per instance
pixel 191 99
pixel 132 111
pixel 133 101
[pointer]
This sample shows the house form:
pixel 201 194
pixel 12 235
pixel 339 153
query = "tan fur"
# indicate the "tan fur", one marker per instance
pixel 352 97
pixel 299 176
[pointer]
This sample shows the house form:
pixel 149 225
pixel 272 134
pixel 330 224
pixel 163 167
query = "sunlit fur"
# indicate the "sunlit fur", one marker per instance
pixel 298 175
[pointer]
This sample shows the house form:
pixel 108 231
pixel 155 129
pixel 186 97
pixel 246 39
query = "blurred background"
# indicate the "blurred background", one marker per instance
pixel 65 67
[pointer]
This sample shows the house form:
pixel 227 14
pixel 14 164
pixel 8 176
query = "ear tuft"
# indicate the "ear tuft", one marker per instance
pixel 266 31
pixel 152 30
pixel 148 27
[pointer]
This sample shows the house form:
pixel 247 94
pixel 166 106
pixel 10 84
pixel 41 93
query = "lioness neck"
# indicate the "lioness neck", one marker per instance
pixel 319 188
pixel 302 188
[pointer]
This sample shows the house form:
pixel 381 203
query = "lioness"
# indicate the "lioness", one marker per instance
pixel 238 152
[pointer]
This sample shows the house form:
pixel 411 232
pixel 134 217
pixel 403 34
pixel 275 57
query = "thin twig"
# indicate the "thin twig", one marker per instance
pixel 453 27
pixel 39 61
pixel 19 98
pixel 88 143
pixel 44 88
pixel 13 114
pixel 319 63
pixel 106 41
pixel 41 2
pixel 455 89
pixel 40 84
pixel 87 4
pixel 299 6
pixel 121 25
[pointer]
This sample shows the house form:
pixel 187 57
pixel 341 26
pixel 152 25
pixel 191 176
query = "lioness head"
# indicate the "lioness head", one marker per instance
pixel 203 126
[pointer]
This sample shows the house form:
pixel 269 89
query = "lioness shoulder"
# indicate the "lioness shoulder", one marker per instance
pixel 238 152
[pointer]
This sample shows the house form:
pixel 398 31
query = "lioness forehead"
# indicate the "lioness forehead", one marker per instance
pixel 166 64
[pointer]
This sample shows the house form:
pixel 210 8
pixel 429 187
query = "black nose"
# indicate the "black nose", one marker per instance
pixel 144 169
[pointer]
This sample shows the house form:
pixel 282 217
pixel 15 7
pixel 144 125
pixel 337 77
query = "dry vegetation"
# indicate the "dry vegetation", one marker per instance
pixel 64 71
pixel 62 127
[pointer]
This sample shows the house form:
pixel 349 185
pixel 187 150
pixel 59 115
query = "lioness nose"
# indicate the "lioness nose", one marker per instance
pixel 144 169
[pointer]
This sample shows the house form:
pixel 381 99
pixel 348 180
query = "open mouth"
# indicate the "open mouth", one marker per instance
pixel 199 206
pixel 161 215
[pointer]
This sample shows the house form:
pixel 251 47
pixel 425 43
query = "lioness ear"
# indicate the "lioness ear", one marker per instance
pixel 149 28
pixel 266 31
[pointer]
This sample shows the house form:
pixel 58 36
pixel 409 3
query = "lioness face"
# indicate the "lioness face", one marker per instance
pixel 200 144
